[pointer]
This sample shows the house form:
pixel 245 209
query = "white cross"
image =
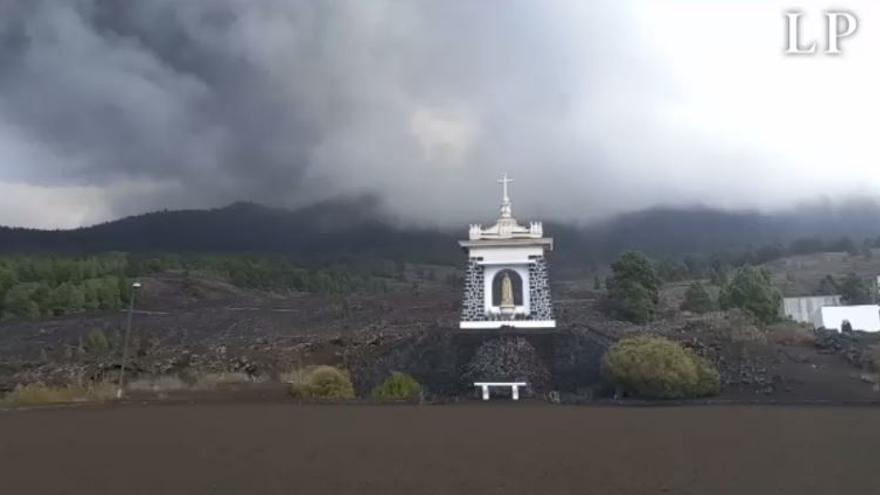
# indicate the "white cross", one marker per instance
pixel 504 181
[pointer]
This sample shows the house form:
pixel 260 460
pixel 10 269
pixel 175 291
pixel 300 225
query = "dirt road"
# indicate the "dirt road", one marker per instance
pixel 498 448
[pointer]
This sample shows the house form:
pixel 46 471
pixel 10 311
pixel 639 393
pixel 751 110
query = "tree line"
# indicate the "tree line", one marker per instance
pixel 34 287
pixel 37 286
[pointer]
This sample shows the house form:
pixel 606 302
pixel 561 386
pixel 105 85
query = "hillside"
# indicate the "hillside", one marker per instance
pixel 358 228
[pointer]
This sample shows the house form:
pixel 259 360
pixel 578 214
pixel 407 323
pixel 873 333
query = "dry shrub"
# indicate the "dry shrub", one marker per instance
pixel 319 382
pixel 38 394
pixel 659 368
pixel 226 378
pixel 791 333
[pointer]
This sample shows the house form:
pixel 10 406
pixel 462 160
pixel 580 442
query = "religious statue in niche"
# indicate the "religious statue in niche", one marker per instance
pixel 507 305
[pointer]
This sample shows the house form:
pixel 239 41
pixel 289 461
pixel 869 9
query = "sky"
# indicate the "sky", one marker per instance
pixel 111 107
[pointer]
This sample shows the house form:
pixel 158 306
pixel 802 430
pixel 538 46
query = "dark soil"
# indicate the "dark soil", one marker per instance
pixel 189 327
pixel 497 447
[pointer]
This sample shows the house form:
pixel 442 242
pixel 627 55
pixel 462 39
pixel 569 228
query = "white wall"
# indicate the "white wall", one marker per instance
pixel 865 317
pixel 505 254
pixel 808 309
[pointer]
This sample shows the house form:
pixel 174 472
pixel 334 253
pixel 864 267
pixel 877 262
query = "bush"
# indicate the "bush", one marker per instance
pixel 97 343
pixel 633 288
pixel 38 394
pixel 659 368
pixel 752 291
pixel 632 302
pixel 398 386
pixel 320 382
pixel 697 299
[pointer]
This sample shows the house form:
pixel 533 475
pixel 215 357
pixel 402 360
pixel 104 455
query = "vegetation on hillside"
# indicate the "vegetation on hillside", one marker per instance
pixel 320 383
pixel 35 286
pixel 697 299
pixel 37 394
pixel 398 386
pixel 751 290
pixel 633 288
pixel 45 286
pixel 655 367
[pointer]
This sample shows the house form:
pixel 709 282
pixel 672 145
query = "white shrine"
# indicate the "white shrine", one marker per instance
pixel 507 283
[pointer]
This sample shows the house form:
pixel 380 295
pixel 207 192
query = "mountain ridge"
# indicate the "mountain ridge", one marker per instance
pixel 356 228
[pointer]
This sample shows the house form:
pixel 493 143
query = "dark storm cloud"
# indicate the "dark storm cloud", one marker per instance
pixel 168 103
pixel 283 101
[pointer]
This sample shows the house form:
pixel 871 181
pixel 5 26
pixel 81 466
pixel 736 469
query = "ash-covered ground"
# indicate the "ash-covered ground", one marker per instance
pixel 194 325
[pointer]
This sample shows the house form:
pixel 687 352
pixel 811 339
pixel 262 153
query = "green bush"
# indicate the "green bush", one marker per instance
pixel 752 291
pixel 633 288
pixel 659 368
pixel 398 386
pixel 97 343
pixel 697 299
pixel 320 382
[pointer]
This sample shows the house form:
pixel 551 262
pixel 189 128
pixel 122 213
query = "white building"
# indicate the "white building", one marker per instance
pixel 512 255
pixel 808 309
pixel 863 317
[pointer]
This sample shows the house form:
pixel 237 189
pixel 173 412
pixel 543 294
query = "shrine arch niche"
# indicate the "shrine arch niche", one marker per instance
pixel 516 283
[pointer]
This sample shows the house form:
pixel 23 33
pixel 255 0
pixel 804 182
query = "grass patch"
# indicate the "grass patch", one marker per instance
pixel 37 394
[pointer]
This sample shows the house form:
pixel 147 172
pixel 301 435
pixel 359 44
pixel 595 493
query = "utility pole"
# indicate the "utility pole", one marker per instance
pixel 134 287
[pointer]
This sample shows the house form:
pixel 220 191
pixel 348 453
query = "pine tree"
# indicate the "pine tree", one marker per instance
pixel 697 299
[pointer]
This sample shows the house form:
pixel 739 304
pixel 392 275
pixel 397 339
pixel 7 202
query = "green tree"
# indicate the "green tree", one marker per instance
pixel 854 290
pixel 41 295
pixel 697 299
pixel 633 288
pixel 91 298
pixel 108 293
pixel 66 298
pixel 18 302
pixel 8 279
pixel 751 290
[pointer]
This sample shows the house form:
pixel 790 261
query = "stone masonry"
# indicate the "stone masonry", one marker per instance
pixel 472 306
pixel 541 304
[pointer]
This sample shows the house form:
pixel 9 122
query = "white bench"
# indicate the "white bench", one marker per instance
pixel 514 388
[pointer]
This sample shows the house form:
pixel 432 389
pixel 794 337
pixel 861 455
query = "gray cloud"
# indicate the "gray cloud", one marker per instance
pixel 165 104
